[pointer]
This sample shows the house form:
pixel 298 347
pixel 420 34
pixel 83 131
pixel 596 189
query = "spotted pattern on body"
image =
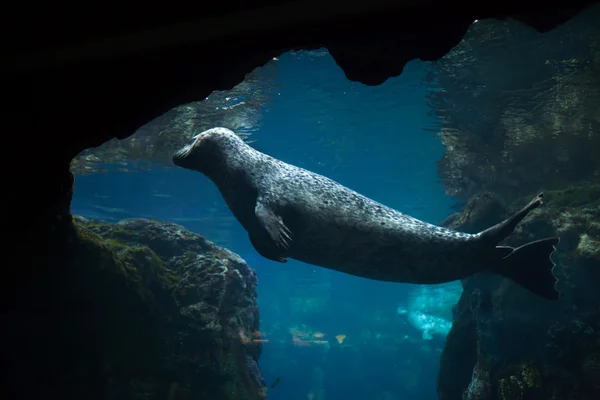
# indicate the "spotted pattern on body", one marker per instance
pixel 291 212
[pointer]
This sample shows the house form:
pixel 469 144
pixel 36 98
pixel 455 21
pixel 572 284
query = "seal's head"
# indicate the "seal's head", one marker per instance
pixel 207 150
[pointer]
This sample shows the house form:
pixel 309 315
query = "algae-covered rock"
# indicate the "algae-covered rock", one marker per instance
pixel 588 246
pixel 527 347
pixel 158 312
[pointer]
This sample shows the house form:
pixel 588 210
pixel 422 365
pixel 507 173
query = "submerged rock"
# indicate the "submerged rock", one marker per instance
pixel 507 343
pixel 155 311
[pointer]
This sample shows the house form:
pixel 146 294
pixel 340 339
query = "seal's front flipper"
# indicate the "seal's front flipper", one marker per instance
pixel 267 250
pixel 530 266
pixel 273 224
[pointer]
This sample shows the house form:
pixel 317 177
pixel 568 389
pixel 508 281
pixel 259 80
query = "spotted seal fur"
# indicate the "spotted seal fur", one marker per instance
pixel 291 212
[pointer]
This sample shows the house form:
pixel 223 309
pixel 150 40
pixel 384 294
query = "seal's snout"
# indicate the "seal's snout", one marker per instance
pixel 205 151
pixel 181 155
pixel 196 155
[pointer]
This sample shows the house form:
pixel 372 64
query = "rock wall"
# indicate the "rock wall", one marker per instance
pixel 141 310
pixel 508 344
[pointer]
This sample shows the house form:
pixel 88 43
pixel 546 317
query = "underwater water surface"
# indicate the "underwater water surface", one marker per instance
pixel 326 335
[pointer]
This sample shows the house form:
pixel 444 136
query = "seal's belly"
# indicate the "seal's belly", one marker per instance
pixel 368 249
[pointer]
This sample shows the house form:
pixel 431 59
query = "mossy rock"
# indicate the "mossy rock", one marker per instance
pixel 584 194
pixel 138 267
pixel 109 295
pixel 126 311
pixel 568 349
pixel 589 246
pixel 480 212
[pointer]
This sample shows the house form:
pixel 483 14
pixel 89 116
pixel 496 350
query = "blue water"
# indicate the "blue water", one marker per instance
pixel 374 140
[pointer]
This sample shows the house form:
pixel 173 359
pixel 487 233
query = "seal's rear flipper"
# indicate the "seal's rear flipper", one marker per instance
pixel 499 232
pixel 530 266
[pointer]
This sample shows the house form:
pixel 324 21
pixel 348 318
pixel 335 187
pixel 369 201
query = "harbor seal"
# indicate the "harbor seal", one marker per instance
pixel 290 212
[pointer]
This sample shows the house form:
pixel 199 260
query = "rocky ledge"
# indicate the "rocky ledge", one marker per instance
pixel 509 344
pixel 141 310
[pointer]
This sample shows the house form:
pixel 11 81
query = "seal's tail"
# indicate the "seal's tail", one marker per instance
pixel 529 265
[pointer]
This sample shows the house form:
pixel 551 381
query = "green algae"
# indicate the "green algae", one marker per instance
pixel 118 286
pixel 589 246
pixel 582 194
pixel 138 266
